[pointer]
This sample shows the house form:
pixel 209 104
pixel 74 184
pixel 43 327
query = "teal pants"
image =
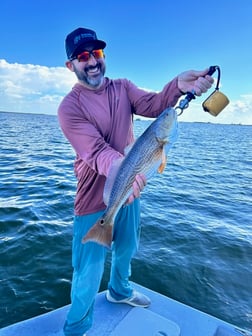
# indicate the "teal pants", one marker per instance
pixel 88 264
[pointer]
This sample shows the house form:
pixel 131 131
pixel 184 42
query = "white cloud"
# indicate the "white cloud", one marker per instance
pixel 236 112
pixel 39 89
pixel 33 88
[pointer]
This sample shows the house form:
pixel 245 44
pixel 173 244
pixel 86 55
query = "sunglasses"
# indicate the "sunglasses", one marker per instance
pixel 85 55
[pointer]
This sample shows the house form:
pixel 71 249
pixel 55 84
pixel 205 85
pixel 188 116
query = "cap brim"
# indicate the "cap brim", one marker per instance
pixel 96 44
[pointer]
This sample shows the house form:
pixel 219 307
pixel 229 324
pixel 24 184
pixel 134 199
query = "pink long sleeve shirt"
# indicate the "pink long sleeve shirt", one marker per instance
pixel 99 125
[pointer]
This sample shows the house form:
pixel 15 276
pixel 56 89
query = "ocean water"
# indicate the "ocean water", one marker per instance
pixel 196 240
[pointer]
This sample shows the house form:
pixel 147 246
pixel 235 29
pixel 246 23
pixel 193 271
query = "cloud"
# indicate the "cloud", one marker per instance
pixel 39 89
pixel 240 110
pixel 236 112
pixel 33 88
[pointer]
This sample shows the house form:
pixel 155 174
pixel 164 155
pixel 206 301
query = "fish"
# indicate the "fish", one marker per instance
pixel 147 155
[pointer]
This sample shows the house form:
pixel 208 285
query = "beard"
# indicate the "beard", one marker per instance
pixel 87 78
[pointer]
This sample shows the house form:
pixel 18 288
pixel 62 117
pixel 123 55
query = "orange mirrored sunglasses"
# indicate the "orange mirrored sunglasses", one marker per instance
pixel 85 55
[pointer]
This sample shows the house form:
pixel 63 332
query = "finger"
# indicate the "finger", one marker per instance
pixel 209 79
pixel 136 189
pixel 194 74
pixel 202 85
pixel 144 179
pixel 141 181
pixel 130 199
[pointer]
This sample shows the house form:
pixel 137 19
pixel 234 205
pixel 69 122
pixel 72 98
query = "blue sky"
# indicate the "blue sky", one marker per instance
pixel 148 42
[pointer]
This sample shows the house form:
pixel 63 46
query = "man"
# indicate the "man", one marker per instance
pixel 96 118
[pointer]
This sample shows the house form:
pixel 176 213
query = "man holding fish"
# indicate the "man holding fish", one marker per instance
pixel 97 119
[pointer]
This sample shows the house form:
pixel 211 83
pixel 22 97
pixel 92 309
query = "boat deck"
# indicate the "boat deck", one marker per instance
pixel 165 317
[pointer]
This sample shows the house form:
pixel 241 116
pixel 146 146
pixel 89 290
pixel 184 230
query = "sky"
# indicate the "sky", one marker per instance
pixel 148 41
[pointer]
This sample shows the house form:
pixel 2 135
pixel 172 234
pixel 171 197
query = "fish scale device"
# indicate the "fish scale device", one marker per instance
pixel 214 104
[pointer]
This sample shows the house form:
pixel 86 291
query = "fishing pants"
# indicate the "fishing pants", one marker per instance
pixel 88 264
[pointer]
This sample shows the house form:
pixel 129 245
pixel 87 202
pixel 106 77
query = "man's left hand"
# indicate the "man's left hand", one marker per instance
pixel 197 81
pixel 138 185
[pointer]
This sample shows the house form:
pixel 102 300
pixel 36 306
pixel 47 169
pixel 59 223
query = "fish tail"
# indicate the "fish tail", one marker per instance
pixel 99 233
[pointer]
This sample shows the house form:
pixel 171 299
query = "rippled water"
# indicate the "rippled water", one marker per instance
pixel 196 242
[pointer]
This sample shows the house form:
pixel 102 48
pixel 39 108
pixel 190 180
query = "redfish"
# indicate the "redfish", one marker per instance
pixel 147 155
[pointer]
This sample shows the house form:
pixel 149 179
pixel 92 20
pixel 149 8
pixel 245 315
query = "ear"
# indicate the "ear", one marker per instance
pixel 69 65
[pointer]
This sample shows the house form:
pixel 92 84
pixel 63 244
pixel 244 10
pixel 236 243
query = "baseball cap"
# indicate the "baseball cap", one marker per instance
pixel 80 38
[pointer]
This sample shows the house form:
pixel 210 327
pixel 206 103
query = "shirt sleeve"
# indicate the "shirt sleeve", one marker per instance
pixel 86 140
pixel 151 104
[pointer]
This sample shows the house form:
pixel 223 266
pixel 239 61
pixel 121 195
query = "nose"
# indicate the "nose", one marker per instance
pixel 92 60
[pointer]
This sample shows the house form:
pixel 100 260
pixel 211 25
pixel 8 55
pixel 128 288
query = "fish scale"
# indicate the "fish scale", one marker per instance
pixel 146 156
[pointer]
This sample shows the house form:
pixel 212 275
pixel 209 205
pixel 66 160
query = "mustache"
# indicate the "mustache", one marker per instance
pixel 91 67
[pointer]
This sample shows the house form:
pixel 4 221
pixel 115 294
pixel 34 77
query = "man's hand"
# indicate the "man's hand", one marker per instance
pixel 198 81
pixel 138 185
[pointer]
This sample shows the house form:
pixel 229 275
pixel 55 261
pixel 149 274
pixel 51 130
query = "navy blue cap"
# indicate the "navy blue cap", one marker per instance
pixel 80 38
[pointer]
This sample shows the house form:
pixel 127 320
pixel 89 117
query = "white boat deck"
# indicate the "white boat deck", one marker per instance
pixel 165 317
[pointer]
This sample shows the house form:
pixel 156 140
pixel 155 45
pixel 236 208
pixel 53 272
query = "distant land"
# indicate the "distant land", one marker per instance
pixel 136 118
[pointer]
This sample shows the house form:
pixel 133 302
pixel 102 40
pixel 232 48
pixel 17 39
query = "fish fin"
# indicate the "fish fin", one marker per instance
pixel 162 166
pixel 111 179
pixel 101 234
pixel 172 137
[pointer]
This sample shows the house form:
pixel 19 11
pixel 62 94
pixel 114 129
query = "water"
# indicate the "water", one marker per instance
pixel 196 241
